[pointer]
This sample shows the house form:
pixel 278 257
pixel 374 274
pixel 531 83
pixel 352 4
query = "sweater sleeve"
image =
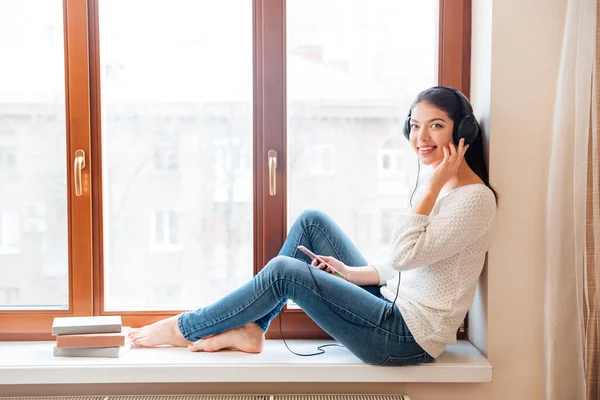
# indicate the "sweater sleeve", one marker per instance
pixel 419 240
pixel 385 271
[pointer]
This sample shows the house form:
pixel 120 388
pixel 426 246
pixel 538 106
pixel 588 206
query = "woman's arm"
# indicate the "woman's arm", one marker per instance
pixel 363 275
pixel 369 275
pixel 427 201
pixel 419 240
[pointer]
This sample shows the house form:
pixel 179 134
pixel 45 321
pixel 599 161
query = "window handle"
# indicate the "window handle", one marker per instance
pixel 272 167
pixel 79 165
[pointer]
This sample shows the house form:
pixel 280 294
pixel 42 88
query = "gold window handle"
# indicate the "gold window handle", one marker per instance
pixel 272 167
pixel 79 165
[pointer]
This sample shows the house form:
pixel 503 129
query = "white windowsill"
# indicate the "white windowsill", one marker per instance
pixel 33 363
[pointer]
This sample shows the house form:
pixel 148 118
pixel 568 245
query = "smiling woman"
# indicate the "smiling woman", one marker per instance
pixel 447 123
pixel 438 248
pixel 167 135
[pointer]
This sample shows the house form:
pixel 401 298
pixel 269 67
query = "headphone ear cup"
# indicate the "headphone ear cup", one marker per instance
pixel 406 129
pixel 467 129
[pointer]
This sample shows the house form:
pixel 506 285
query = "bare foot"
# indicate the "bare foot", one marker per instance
pixel 165 331
pixel 248 338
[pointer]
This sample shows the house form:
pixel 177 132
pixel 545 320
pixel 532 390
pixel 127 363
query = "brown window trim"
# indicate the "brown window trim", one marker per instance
pixel 86 288
pixel 34 324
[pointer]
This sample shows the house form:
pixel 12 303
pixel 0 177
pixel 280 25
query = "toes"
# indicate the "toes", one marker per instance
pixel 141 342
pixel 197 346
pixel 134 332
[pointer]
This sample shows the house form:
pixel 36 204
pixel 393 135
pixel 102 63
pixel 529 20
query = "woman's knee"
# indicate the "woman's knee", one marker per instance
pixel 278 265
pixel 282 266
pixel 312 216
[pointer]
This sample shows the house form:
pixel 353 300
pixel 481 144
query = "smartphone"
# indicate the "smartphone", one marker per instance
pixel 313 256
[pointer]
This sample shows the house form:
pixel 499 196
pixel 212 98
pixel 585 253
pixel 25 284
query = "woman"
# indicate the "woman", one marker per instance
pixel 438 246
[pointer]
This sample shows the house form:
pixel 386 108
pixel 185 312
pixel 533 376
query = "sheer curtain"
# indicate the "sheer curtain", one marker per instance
pixel 573 215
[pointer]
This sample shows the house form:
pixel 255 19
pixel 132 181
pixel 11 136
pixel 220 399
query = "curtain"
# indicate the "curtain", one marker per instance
pixel 592 242
pixel 572 216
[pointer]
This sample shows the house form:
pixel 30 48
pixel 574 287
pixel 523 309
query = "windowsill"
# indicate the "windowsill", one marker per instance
pixel 33 363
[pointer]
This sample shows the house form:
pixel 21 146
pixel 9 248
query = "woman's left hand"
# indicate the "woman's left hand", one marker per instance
pixel 453 157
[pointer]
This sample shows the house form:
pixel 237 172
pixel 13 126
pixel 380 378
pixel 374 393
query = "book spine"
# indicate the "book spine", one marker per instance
pixel 78 342
pixel 107 352
pixel 75 330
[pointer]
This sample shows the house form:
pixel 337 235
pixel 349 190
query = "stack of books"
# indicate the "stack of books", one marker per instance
pixel 102 336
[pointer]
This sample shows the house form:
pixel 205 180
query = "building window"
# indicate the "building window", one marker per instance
pixel 166 231
pixel 390 157
pixel 166 152
pixel 10 233
pixel 8 159
pixel 232 155
pixel 321 160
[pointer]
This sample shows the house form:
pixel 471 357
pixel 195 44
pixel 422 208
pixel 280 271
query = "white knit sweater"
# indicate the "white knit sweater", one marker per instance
pixel 440 257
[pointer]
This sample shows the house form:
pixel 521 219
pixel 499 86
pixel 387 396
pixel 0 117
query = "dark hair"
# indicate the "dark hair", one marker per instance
pixel 449 102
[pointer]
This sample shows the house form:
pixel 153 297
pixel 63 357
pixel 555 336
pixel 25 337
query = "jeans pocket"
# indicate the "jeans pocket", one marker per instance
pixel 410 360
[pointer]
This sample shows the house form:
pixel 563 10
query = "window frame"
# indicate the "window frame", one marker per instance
pixel 82 90
pixel 23 325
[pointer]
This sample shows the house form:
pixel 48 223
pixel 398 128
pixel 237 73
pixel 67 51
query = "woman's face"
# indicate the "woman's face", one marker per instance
pixel 430 130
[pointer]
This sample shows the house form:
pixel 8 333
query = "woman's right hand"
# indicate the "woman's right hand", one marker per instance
pixel 333 262
pixel 453 157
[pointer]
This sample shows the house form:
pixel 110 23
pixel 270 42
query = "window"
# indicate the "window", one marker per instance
pixel 166 231
pixel 391 155
pixel 232 156
pixel 328 80
pixel 321 160
pixel 9 296
pixel 10 233
pixel 8 159
pixel 166 152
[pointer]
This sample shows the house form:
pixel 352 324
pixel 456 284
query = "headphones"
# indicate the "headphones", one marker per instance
pixel 467 127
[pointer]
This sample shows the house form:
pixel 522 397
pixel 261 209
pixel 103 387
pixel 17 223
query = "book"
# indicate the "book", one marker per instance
pixel 79 325
pixel 103 352
pixel 92 340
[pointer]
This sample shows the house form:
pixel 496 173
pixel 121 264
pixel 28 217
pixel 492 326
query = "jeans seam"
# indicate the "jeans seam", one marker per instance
pixel 194 330
pixel 348 311
pixel 423 355
pixel 337 253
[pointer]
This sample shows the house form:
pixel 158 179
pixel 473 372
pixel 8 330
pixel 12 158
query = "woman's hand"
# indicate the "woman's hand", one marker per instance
pixel 453 157
pixel 333 262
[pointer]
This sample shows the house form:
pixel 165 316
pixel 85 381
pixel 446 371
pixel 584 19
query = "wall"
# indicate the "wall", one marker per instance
pixel 513 90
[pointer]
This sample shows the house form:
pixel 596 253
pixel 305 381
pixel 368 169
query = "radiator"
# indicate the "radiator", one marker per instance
pixel 226 397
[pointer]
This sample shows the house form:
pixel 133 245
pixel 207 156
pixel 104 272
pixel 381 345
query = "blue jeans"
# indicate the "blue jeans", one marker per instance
pixel 363 329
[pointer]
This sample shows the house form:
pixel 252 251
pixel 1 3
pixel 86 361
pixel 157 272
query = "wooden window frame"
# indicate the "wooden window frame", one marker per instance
pixel 82 69
pixel 36 324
